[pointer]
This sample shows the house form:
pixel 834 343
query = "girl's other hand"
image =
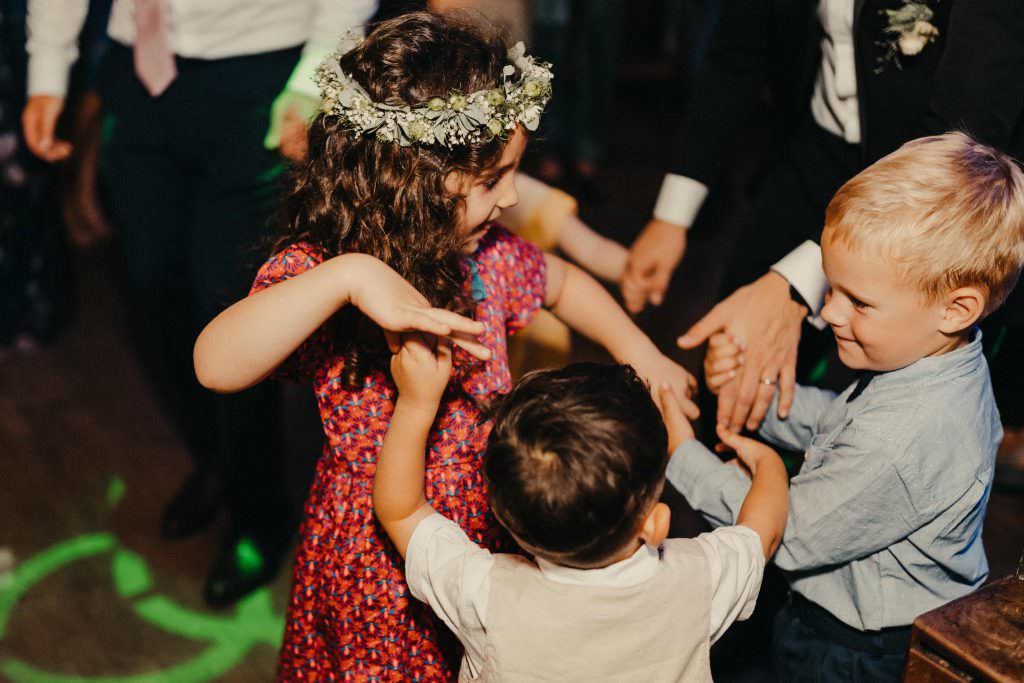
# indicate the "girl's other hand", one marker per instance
pixel 679 428
pixel 421 369
pixel 658 369
pixel 387 299
pixel 723 360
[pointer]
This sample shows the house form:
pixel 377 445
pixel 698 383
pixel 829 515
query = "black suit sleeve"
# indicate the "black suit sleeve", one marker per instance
pixel 979 85
pixel 729 86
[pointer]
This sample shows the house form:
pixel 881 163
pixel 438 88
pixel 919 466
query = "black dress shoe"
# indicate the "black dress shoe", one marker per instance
pixel 245 562
pixel 194 506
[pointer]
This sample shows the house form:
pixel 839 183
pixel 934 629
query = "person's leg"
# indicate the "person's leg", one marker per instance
pixel 234 200
pixel 148 186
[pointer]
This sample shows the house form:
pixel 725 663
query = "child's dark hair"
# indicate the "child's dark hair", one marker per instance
pixel 355 194
pixel 575 460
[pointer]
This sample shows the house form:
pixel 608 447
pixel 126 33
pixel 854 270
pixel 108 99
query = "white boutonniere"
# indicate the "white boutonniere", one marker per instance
pixel 908 32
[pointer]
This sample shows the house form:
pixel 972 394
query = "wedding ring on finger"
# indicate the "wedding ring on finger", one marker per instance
pixel 768 382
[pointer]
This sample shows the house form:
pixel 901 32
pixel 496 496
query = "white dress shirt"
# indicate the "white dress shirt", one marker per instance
pixel 453 575
pixel 834 106
pixel 202 29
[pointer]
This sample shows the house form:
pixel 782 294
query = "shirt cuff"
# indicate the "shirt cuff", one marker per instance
pixel 802 269
pixel 679 200
pixel 48 73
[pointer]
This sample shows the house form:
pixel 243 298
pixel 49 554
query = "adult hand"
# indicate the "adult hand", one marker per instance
pixel 289 116
pixel 652 259
pixel 39 123
pixel 387 299
pixel 764 318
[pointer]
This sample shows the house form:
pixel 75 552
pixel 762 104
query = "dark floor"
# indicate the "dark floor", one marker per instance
pixel 87 589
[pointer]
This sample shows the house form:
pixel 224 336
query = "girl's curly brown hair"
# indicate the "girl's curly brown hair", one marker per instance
pixel 355 194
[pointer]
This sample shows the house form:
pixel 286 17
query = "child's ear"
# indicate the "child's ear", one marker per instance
pixel 655 528
pixel 964 306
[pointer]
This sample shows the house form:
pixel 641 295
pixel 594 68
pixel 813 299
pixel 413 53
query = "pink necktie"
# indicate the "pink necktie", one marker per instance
pixel 154 61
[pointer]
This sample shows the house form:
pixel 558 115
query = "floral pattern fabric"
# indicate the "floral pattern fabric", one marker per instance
pixel 350 617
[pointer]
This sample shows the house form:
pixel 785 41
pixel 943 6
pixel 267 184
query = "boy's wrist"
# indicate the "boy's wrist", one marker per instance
pixel 415 409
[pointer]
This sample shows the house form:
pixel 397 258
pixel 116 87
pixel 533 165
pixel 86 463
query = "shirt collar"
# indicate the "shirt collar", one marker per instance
pixel 937 369
pixel 635 569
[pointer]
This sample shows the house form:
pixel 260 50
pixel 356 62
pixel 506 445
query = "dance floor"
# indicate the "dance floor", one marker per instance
pixel 88 590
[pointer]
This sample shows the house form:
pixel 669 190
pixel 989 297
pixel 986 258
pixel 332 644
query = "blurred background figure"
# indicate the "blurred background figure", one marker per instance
pixel 33 268
pixel 188 92
pixel 583 39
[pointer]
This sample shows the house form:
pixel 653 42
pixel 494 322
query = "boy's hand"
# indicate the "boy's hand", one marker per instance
pixel 679 428
pixel 387 299
pixel 751 453
pixel 658 369
pixel 723 360
pixel 421 370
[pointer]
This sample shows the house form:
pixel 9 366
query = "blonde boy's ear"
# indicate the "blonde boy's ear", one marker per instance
pixel 964 307
pixel 655 528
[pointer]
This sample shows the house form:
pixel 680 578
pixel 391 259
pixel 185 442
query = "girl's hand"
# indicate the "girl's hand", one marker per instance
pixel 723 360
pixel 752 453
pixel 679 428
pixel 387 299
pixel 658 369
pixel 421 369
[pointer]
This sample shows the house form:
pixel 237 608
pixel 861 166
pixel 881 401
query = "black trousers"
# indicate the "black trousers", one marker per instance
pixel 193 191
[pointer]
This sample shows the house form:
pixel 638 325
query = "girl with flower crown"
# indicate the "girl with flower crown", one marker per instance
pixel 389 227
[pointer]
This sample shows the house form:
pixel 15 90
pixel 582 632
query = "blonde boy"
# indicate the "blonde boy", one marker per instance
pixel 886 512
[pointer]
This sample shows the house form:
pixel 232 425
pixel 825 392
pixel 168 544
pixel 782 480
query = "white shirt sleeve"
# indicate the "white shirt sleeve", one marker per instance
pixel 53 28
pixel 452 574
pixel 330 21
pixel 802 269
pixel 679 199
pixel 736 563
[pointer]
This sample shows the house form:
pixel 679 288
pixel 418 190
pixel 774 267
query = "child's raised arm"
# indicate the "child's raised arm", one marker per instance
pixel 420 369
pixel 767 503
pixel 246 342
pixel 585 306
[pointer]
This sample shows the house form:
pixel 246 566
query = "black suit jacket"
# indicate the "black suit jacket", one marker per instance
pixel 766 54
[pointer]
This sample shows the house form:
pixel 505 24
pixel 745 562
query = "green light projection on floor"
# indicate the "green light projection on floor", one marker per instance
pixel 228 638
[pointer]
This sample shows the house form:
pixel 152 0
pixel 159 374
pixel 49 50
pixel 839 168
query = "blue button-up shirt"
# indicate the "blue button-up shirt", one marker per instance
pixel 885 515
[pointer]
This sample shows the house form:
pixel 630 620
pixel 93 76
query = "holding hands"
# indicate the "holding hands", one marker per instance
pixel 421 368
pixel 762 316
pixel 386 298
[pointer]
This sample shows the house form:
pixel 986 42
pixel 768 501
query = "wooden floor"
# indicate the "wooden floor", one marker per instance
pixel 88 591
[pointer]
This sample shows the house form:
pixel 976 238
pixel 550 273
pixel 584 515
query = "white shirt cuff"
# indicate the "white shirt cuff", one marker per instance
pixel 48 72
pixel 802 269
pixel 679 200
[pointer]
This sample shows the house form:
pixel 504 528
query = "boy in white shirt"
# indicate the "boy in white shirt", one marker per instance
pixel 575 466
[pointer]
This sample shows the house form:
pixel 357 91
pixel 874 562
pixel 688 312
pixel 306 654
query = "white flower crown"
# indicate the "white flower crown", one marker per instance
pixel 459 119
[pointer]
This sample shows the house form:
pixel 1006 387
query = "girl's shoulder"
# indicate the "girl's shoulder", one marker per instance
pixel 292 260
pixel 502 243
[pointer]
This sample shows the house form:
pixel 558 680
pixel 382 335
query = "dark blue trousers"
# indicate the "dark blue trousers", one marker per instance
pixel 812 645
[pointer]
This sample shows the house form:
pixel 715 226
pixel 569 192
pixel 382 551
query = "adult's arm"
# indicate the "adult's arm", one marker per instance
pixel 53 28
pixel 333 24
pixel 727 89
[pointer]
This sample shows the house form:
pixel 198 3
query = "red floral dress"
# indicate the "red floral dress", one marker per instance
pixel 351 617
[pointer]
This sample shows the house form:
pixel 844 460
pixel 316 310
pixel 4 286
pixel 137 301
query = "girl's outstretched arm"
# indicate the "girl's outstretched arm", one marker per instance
pixel 584 305
pixel 420 369
pixel 245 343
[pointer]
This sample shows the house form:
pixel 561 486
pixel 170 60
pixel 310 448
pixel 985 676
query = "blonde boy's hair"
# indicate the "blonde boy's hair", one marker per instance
pixel 948 210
